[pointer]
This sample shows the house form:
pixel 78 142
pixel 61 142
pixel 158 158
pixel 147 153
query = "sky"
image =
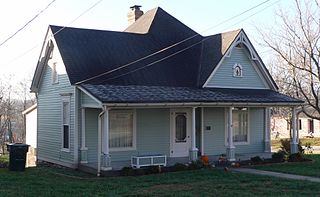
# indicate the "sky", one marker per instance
pixel 19 55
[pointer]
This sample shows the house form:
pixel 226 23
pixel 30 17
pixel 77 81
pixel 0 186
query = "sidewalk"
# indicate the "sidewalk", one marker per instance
pixel 276 174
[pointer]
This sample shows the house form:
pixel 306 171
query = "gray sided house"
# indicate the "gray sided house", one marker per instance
pixel 157 88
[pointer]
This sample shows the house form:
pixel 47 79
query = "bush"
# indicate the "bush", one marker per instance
pixel 286 146
pixel 196 165
pixel 127 171
pixel 256 159
pixel 179 167
pixel 296 157
pixel 278 156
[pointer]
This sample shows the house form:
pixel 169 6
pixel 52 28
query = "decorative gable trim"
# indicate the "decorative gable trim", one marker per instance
pixel 243 40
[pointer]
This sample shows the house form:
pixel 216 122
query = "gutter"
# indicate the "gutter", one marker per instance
pixel 198 104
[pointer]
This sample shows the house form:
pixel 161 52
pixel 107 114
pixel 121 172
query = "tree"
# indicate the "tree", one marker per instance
pixel 296 43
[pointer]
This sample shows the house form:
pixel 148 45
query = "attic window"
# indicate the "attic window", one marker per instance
pixel 237 70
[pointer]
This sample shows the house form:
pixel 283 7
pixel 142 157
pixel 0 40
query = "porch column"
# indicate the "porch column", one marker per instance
pixel 106 162
pixel 294 141
pixel 267 116
pixel 230 147
pixel 83 149
pixel 193 150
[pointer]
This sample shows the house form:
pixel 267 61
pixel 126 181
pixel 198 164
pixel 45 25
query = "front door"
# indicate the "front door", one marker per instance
pixel 180 132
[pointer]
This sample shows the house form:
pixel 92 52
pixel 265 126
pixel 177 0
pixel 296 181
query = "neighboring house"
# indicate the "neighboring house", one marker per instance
pixel 306 127
pixel 102 98
pixel 30 118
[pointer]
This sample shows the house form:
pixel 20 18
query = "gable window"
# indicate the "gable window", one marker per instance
pixel 121 130
pixel 237 70
pixel 65 122
pixel 240 125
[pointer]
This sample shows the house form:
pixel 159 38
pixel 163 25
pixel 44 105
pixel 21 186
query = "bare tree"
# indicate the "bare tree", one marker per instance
pixel 296 43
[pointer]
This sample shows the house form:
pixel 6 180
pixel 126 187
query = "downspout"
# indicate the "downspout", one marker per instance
pixel 99 140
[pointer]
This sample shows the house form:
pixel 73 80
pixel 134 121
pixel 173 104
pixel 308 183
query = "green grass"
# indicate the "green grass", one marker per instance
pixel 303 168
pixel 45 181
pixel 313 141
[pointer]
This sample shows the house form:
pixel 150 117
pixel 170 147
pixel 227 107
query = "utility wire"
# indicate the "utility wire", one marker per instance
pixel 184 49
pixel 171 46
pixel 75 19
pixel 25 25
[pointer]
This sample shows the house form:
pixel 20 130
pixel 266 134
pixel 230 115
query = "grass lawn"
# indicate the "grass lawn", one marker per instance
pixel 45 181
pixel 303 168
pixel 313 141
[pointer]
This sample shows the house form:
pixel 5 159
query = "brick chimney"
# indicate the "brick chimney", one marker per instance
pixel 134 13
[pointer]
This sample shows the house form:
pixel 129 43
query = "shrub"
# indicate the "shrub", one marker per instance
pixel 286 146
pixel 296 157
pixel 278 156
pixel 256 159
pixel 196 165
pixel 127 171
pixel 179 167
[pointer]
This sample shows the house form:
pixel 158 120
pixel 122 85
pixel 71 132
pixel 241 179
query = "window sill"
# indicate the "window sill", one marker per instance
pixel 122 149
pixel 241 143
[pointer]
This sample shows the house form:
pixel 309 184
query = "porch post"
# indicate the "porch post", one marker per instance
pixel 294 141
pixel 230 147
pixel 106 163
pixel 193 150
pixel 267 116
pixel 83 149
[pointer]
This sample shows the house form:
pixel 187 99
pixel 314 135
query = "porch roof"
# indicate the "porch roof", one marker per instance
pixel 160 94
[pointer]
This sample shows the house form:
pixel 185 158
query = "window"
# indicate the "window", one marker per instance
pixel 181 127
pixel 300 124
pixel 240 124
pixel 310 126
pixel 121 130
pixel 66 122
pixel 237 70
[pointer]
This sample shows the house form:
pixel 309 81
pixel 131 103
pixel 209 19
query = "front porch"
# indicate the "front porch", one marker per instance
pixel 180 133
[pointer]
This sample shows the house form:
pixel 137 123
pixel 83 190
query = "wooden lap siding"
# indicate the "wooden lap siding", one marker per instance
pixel 224 75
pixel 215 138
pixel 50 121
pixel 152 134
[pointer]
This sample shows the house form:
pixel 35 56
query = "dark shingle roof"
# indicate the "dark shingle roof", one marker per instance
pixel 160 94
pixel 87 53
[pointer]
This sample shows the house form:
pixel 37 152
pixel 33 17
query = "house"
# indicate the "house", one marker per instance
pixel 30 119
pixel 157 88
pixel 306 127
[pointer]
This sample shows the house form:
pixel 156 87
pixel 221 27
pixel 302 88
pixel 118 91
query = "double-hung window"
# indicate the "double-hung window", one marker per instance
pixel 65 122
pixel 240 125
pixel 121 130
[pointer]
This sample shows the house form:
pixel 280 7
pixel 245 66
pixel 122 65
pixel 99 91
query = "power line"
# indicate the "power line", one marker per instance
pixel 171 46
pixel 72 21
pixel 25 25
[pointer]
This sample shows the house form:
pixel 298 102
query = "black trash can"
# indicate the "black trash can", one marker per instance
pixel 17 156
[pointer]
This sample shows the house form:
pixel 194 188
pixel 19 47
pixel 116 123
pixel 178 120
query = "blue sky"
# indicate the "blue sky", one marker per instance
pixel 111 15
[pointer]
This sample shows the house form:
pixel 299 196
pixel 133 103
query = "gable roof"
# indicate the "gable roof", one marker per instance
pixel 186 59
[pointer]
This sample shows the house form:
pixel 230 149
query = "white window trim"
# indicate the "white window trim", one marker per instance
pixel 226 129
pixel 134 125
pixel 65 98
pixel 233 70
